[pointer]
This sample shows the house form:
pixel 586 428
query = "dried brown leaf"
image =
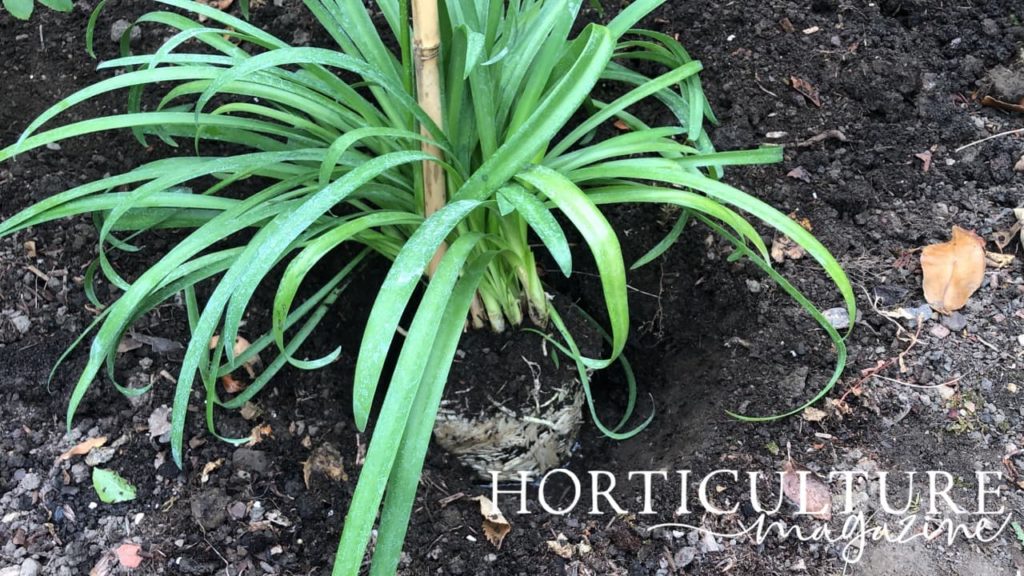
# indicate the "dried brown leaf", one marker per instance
pixel 783 247
pixel 811 492
pixel 326 460
pixel 997 260
pixel 231 385
pixel 560 545
pixel 208 468
pixel 83 448
pixel 805 88
pixel 258 433
pixel 953 270
pixel 812 414
pixel 495 526
pixel 1002 238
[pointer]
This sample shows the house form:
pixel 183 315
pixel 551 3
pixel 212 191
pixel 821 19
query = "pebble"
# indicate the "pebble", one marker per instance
pixel 30 482
pixel 98 456
pixel 955 321
pixel 839 318
pixel 30 568
pixel 684 556
pixel 939 331
pixel 754 286
pixel 20 322
pixel 118 28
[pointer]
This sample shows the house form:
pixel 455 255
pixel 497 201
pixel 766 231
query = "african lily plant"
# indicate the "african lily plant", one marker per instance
pixel 446 167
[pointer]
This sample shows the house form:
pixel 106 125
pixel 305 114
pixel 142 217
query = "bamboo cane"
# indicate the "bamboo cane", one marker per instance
pixel 427 45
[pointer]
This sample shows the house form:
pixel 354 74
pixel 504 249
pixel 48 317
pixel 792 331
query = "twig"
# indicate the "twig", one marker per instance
pixel 999 135
pixel 826 135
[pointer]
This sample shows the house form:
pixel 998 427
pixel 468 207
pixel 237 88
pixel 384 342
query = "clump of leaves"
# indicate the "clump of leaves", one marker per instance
pixel 331 141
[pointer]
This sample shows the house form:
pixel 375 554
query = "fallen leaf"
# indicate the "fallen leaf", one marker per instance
pixel 783 247
pixel 30 248
pixel 560 545
pixel 495 526
pixel 232 386
pixel 999 104
pixel 106 565
pixel 811 492
pixel 258 433
pixel 208 468
pixel 1002 238
pixel 159 421
pixel 111 487
pixel 127 344
pixel 159 345
pixel 953 270
pixel 997 260
pixel 326 460
pixel 812 414
pixel 926 160
pixel 84 447
pixel 128 555
pixel 806 88
pixel 249 411
pixel 800 174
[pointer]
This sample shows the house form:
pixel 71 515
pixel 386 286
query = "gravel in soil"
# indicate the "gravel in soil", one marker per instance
pixel 893 83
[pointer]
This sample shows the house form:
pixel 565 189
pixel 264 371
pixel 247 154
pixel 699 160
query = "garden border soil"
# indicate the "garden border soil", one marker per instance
pixel 875 170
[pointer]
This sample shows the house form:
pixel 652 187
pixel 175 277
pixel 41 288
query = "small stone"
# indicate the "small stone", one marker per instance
pixel 237 510
pixel 30 568
pixel 939 331
pixel 754 286
pixel 98 456
pixel 20 322
pixel 118 28
pixel 30 482
pixel 79 472
pixel 684 556
pixel 955 321
pixel 839 318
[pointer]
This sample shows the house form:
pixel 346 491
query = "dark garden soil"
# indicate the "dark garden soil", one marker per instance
pixel 875 170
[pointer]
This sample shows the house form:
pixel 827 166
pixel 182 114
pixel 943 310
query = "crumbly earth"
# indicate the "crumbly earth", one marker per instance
pixel 899 84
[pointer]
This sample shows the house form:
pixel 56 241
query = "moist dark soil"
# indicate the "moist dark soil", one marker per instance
pixel 873 162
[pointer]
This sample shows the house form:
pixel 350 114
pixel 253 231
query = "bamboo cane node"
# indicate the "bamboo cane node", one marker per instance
pixel 427 52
